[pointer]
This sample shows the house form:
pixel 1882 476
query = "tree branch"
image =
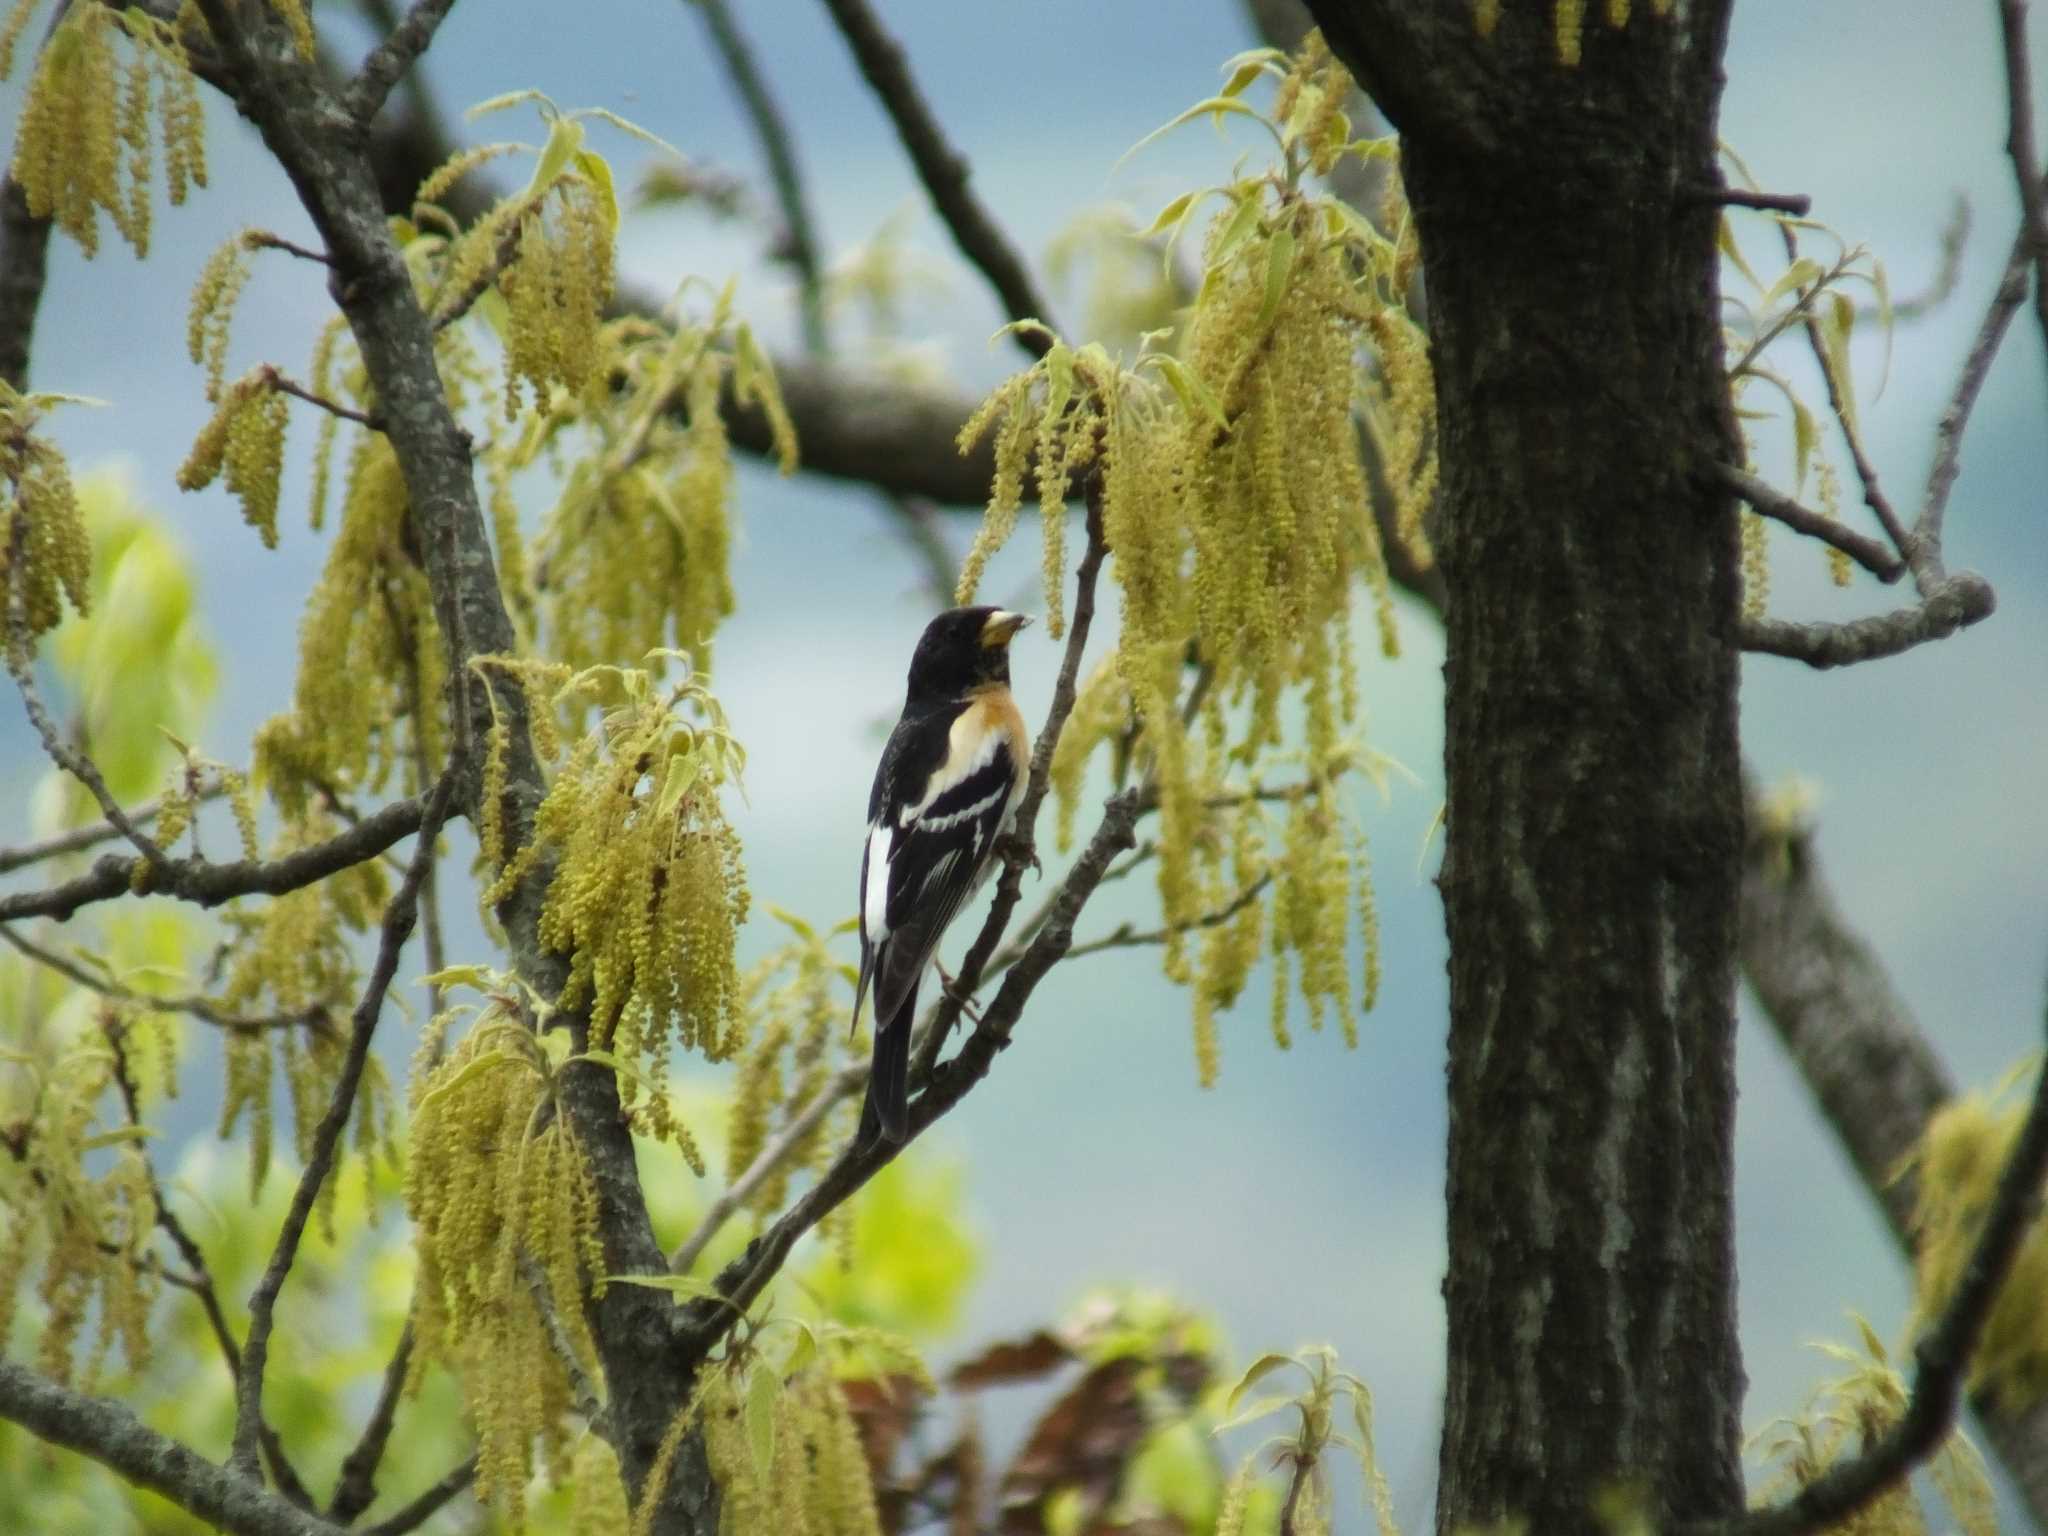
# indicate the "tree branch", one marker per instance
pixel 355 1487
pixel 428 1504
pixel 113 1436
pixel 1768 500
pixel 81 838
pixel 1942 1358
pixel 1958 601
pixel 778 148
pixel 942 169
pixel 391 58
pixel 399 917
pixel 198 1007
pixel 209 884
pixel 82 768
pixel 743 1280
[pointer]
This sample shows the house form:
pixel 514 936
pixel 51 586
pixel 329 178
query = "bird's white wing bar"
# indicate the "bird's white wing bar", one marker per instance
pixel 874 895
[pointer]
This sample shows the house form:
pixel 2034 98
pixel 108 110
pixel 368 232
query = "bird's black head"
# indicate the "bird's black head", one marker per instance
pixel 961 650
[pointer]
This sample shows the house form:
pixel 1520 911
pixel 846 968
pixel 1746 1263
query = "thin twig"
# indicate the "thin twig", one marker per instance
pixel 355 1488
pixel 1942 1359
pixel 285 385
pixel 842 1085
pixel 81 838
pixel 199 1277
pixel 1955 417
pixel 399 917
pixel 1124 936
pixel 428 1504
pixel 1867 552
pixel 391 58
pixel 943 170
pixel 196 1005
pixel 264 240
pixel 1798 204
pixel 82 768
pixel 1925 564
pixel 778 147
pixel 2019 141
pixel 209 884
pixel 582 1390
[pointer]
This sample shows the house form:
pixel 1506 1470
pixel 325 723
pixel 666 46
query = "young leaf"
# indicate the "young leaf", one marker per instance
pixel 1257 1371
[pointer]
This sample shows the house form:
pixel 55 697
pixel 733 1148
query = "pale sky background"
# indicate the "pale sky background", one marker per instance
pixel 1301 1199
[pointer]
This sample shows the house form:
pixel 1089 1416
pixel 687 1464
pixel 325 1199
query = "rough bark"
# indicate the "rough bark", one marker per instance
pixel 1594 817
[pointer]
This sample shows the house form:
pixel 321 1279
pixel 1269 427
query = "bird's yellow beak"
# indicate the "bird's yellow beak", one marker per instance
pixel 1002 626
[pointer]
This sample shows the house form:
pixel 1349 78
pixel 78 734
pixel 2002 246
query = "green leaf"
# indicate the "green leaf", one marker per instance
pixel 762 1390
pixel 479 978
pixel 1805 438
pixel 1244 218
pixel 1279 267
pixel 1257 1409
pixel 565 143
pixel 802 1351
pixel 1171 216
pixel 115 1137
pixel 1803 271
pixel 474 1067
pixel 1254 1373
pixel 1195 395
pixel 675 1285
pixel 1837 322
pixel 1725 238
pixel 597 170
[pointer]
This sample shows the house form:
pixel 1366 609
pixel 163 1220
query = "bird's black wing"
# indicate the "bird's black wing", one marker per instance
pixel 934 850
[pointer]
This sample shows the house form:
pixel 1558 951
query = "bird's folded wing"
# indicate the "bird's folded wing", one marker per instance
pixel 921 873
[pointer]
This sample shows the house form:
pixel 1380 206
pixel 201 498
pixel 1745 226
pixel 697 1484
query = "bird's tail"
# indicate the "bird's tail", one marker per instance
pixel 887 1111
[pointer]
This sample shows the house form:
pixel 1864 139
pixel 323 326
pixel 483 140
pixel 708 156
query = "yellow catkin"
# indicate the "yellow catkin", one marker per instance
pixel 1571 27
pixel 1485 16
pixel 45 555
pixel 84 144
pixel 1234 497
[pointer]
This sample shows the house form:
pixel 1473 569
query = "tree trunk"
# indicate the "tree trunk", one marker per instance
pixel 1594 824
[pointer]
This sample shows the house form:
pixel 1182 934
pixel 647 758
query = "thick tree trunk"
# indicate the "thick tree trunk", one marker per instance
pixel 1594 831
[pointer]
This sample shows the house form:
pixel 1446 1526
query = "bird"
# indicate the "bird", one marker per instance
pixel 944 794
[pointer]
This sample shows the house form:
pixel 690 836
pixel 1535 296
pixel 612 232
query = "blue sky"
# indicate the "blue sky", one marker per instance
pixel 1301 1198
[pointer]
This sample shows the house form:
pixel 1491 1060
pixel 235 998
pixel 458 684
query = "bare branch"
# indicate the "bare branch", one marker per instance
pixel 1942 1358
pixel 1798 204
pixel 81 838
pixel 199 1280
pixel 2019 143
pixel 582 1390
pixel 285 384
pixel 428 1504
pixel 942 169
pixel 778 148
pixel 1960 600
pixel 263 239
pixel 355 1488
pixel 1955 417
pixel 113 1436
pixel 743 1280
pixel 197 1006
pixel 843 1084
pixel 1773 503
pixel 1125 936
pixel 76 763
pixel 209 884
pixel 399 917
pixel 391 58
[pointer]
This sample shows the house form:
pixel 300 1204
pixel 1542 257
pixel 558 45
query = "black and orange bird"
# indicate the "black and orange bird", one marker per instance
pixel 948 784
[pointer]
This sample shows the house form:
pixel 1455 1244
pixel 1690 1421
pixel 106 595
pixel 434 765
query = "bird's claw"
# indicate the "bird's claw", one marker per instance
pixel 1016 850
pixel 961 999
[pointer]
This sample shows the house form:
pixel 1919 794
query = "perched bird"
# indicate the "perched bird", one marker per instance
pixel 948 784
